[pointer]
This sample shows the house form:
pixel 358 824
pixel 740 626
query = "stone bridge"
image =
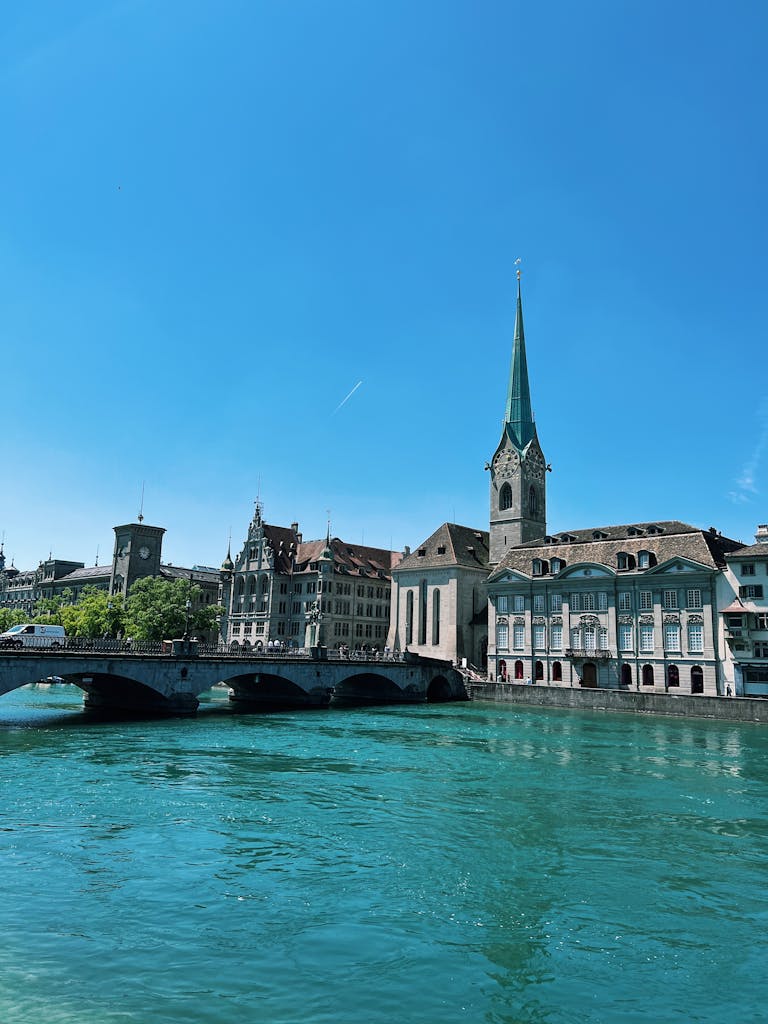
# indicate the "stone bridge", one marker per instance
pixel 170 683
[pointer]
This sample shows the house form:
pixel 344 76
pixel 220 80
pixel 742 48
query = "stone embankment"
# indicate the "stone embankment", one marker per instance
pixel 726 709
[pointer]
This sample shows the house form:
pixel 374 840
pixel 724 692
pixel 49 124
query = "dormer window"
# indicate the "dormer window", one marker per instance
pixel 441 549
pixel 539 567
pixel 653 529
pixel 557 565
pixel 624 561
pixel 422 552
pixel 634 531
pixel 599 535
pixel 645 559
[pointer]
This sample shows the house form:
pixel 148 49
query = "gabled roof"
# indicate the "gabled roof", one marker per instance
pixel 450 545
pixel 666 539
pixel 749 551
pixel 88 572
pixel 352 559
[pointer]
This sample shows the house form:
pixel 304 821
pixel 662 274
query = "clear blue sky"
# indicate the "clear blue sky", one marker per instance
pixel 217 218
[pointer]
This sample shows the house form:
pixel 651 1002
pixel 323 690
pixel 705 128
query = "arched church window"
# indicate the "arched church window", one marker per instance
pixel 505 498
pixel 533 503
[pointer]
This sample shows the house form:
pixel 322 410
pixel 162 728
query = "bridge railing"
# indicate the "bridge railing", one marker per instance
pixel 127 647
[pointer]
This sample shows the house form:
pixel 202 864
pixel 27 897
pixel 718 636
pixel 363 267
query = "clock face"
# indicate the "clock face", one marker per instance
pixel 144 551
pixel 506 462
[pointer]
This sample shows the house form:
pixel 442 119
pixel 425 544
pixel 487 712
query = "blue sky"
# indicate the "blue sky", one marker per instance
pixel 218 218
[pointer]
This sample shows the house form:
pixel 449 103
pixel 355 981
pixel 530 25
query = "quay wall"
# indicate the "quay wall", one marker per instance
pixel 725 709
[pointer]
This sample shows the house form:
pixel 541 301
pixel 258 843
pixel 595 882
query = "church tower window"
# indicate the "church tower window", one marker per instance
pixel 505 498
pixel 533 503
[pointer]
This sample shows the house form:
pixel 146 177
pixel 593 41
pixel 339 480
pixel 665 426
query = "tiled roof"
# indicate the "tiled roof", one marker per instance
pixel 601 544
pixel 749 551
pixel 88 572
pixel 352 559
pixel 178 572
pixel 450 545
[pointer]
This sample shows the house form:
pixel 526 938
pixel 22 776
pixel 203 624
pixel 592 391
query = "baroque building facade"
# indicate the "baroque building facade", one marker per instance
pixel 296 593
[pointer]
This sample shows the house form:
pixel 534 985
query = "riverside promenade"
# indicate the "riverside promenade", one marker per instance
pixel 726 709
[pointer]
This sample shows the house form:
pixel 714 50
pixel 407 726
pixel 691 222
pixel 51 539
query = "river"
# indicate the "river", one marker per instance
pixel 432 864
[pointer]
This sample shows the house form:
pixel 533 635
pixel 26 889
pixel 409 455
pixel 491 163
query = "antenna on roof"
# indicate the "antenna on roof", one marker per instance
pixel 141 508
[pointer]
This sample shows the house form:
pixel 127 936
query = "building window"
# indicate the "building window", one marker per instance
pixel 670 599
pixel 435 617
pixel 643 559
pixel 502 604
pixel 673 675
pixel 533 503
pixel 697 679
pixel 409 618
pixel 761 649
pixel 556 638
pixel 626 675
pixel 625 637
pixel 538 603
pixel 646 637
pixel 505 498
pixel 518 637
pixel 585 602
pixel 751 591
pixel 761 621
pixel 748 569
pixel 556 602
pixel 695 637
pixel 518 602
pixel 576 639
pixel 602 601
pixel 557 672
pixel 518 670
pixel 502 636
pixel 647 675
pixel 646 600
pixel 556 564
pixel 538 671
pixel 624 561
pixel 537 567
pixel 589 634
pixel 539 637
pixel 423 613
pixel 693 598
pixel 625 601
pixel 602 638
pixel 672 637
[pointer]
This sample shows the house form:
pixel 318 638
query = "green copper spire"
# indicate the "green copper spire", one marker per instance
pixel 518 416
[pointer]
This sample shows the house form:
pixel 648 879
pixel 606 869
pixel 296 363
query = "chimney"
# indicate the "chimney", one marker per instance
pixel 762 534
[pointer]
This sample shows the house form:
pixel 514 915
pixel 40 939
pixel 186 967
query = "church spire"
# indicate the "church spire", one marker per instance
pixel 518 415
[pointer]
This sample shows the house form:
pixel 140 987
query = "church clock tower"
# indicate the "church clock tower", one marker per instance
pixel 518 469
pixel 137 554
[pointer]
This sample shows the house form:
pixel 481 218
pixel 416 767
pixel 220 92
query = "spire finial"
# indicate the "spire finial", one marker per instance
pixel 517 263
pixel 141 508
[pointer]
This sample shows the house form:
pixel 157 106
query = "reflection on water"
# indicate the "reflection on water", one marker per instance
pixel 462 863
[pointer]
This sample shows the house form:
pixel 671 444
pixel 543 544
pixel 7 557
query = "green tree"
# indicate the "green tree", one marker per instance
pixel 157 610
pixel 95 615
pixel 48 610
pixel 11 617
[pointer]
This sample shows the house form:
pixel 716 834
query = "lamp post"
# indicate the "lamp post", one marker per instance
pixel 188 607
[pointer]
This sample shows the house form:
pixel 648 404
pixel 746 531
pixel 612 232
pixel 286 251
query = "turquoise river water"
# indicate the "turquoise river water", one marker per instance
pixel 454 863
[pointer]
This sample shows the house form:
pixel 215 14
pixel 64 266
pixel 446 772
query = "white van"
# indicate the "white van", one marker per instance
pixel 33 635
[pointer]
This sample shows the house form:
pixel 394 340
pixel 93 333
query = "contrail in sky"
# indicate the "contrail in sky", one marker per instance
pixel 354 389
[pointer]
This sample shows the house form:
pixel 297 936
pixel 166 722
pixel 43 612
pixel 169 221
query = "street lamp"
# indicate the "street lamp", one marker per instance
pixel 188 606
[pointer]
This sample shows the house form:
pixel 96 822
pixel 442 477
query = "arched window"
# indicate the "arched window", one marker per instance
pixel 538 671
pixel 533 503
pixel 251 586
pixel 557 672
pixel 697 679
pixel 505 497
pixel 436 616
pixel 673 675
pixel 626 675
pixel 518 670
pixel 502 635
pixel 647 675
pixel 502 671
pixel 409 618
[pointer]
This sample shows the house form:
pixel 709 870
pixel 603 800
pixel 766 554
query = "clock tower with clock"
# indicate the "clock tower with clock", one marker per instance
pixel 137 554
pixel 518 469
